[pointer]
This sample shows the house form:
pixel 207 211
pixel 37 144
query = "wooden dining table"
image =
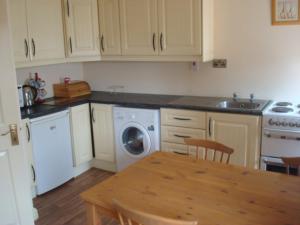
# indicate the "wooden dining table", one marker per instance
pixel 179 187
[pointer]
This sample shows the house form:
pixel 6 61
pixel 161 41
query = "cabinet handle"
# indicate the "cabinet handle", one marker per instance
pixel 102 43
pixel 71 47
pixel 153 41
pixel 93 118
pixel 181 136
pixel 182 119
pixel 161 42
pixel 68 8
pixel 209 127
pixel 33 172
pixel 26 48
pixel 33 47
pixel 28 133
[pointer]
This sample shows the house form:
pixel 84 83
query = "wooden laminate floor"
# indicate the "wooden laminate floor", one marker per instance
pixel 63 205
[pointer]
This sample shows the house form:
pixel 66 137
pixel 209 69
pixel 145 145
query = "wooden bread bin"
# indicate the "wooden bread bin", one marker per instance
pixel 72 90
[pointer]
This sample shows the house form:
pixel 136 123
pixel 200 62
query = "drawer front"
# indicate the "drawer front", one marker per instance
pixel 177 134
pixel 177 148
pixel 183 118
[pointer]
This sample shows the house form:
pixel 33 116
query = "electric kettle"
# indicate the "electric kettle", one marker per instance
pixel 29 94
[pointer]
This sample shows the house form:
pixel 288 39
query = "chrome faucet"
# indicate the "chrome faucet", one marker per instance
pixel 251 97
pixel 235 96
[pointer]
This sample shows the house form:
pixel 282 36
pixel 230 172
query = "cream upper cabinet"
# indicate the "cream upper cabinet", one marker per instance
pixel 103 131
pixel 45 28
pixel 81 134
pixel 82 28
pixel 139 27
pixel 110 37
pixel 37 30
pixel 19 30
pixel 179 27
pixel 240 132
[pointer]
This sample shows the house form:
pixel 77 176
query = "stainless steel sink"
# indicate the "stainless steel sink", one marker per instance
pixel 231 104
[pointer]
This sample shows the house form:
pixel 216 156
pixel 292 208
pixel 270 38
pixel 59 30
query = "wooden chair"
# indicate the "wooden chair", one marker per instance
pixel 291 162
pixel 128 216
pixel 209 145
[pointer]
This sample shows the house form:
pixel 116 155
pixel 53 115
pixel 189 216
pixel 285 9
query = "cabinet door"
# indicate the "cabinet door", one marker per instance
pixel 19 30
pixel 139 27
pixel 102 117
pixel 45 29
pixel 110 39
pixel 180 27
pixel 240 132
pixel 82 28
pixel 81 134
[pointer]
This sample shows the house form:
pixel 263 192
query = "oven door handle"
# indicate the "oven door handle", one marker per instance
pixel 282 135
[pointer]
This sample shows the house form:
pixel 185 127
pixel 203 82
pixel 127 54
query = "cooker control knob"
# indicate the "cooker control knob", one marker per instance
pixel 292 124
pixel 271 122
pixel 284 124
pixel 278 123
pixel 298 125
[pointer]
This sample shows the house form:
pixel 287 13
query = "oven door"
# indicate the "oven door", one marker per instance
pixel 272 164
pixel 280 143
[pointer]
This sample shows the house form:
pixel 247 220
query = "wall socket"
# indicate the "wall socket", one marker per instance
pixel 220 63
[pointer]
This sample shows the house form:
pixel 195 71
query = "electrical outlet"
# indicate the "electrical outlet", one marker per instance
pixel 220 63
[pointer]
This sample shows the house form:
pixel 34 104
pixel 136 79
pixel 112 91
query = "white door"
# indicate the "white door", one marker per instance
pixel 19 30
pixel 110 39
pixel 82 28
pixel 179 27
pixel 45 29
pixel 139 27
pixel 15 203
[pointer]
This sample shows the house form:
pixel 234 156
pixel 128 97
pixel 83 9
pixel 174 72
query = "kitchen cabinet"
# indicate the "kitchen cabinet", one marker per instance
pixel 103 132
pixel 139 27
pixel 240 132
pixel 27 145
pixel 109 20
pixel 81 134
pixel 179 27
pixel 82 28
pixel 176 125
pixel 34 41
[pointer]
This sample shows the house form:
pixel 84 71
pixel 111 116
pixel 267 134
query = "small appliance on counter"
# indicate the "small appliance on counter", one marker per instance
pixel 29 95
pixel 71 89
pixel 21 97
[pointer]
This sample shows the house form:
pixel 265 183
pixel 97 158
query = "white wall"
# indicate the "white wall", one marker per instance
pixel 262 59
pixel 52 74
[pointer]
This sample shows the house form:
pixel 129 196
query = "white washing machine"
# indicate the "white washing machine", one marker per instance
pixel 137 134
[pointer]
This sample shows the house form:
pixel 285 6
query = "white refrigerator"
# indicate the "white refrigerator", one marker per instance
pixel 52 151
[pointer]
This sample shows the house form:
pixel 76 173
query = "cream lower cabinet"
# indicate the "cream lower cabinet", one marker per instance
pixel 103 132
pixel 240 132
pixel 179 124
pixel 27 144
pixel 82 28
pixel 37 29
pixel 81 134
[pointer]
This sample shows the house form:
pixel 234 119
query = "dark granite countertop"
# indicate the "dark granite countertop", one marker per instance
pixel 139 101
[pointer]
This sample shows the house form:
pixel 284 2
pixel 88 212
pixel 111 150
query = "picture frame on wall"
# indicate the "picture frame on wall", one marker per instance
pixel 285 12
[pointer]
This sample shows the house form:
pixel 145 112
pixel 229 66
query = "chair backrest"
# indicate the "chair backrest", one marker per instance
pixel 209 145
pixel 291 162
pixel 128 216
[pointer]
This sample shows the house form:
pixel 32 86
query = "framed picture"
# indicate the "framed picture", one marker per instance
pixel 285 12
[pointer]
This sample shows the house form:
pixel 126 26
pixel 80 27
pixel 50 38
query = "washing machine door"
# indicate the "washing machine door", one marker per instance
pixel 135 140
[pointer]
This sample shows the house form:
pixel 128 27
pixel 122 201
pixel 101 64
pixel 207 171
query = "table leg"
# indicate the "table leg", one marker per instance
pixel 92 216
